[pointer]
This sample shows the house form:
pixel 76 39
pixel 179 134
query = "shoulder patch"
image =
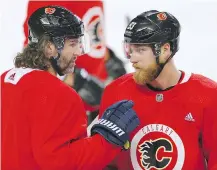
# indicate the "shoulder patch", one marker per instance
pixel 15 74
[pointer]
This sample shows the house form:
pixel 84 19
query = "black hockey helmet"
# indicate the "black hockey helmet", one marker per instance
pixel 153 28
pixel 54 21
pixel 58 23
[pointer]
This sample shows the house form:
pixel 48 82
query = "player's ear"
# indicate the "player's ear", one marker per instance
pixel 165 51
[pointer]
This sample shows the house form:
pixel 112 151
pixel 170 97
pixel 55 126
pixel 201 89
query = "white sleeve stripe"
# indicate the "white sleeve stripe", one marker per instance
pixel 90 126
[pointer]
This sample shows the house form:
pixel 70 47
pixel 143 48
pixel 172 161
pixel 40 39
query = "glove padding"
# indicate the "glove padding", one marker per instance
pixel 117 122
pixel 114 66
pixel 89 88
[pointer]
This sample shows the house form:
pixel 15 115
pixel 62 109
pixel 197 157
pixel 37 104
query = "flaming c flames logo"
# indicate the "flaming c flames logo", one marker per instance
pixel 149 153
pixel 164 150
pixel 162 16
pixel 49 10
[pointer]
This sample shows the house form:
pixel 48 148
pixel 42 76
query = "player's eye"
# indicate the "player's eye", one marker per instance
pixel 140 50
pixel 73 44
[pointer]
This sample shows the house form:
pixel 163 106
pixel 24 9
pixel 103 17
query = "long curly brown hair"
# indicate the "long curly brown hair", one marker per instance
pixel 33 55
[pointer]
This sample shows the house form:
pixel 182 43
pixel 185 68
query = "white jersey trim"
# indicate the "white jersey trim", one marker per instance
pixel 95 121
pixel 187 76
pixel 14 75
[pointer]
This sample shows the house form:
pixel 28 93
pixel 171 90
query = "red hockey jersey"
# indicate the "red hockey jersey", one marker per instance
pixel 178 128
pixel 44 125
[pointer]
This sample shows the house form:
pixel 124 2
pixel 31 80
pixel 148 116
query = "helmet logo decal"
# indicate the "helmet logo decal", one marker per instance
pixel 162 16
pixel 49 10
pixel 132 24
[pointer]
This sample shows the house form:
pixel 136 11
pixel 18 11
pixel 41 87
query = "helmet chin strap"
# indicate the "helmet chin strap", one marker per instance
pixel 54 63
pixel 59 43
pixel 157 52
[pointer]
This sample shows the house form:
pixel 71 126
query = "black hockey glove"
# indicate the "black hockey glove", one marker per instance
pixel 116 123
pixel 88 87
pixel 114 66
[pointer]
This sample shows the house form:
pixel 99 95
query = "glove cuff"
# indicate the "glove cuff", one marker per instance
pixel 112 134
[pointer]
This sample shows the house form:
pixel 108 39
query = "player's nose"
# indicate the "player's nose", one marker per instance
pixel 77 52
pixel 133 59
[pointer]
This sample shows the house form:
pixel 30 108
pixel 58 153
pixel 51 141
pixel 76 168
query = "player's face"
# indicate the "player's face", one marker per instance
pixel 144 62
pixel 68 55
